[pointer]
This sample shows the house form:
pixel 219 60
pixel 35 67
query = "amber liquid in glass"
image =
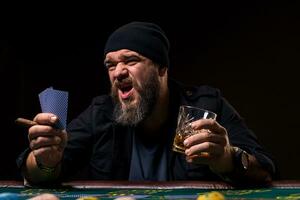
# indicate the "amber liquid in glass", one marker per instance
pixel 178 145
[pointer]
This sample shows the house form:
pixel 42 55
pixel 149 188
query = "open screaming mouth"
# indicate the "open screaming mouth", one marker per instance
pixel 125 90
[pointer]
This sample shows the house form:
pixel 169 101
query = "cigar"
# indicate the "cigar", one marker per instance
pixel 25 122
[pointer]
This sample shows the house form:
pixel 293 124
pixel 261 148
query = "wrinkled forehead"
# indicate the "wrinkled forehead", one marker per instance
pixel 121 52
pixel 121 55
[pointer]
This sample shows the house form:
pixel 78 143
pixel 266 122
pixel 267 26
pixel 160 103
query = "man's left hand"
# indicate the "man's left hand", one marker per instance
pixel 210 145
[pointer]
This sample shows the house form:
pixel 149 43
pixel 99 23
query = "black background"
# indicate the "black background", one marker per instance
pixel 250 50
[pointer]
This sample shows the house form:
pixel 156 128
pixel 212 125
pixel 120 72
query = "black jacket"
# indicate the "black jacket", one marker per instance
pixel 100 149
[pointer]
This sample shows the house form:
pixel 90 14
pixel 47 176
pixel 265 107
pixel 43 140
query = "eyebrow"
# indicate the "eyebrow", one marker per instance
pixel 123 57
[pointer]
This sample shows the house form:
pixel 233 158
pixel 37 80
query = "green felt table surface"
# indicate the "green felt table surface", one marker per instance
pixel 154 190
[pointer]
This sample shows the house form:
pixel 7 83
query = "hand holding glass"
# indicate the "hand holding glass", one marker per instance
pixel 186 115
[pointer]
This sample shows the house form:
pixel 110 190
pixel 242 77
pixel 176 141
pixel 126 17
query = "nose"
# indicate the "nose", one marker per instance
pixel 121 71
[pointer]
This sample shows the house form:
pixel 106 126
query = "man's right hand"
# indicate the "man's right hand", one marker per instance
pixel 47 143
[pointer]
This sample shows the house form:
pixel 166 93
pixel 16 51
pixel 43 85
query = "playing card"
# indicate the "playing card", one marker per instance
pixel 56 102
pixel 43 96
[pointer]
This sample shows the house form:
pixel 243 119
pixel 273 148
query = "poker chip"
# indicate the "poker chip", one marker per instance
pixel 125 198
pixel 45 196
pixel 211 196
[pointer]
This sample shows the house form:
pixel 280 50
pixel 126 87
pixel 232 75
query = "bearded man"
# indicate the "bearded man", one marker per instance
pixel 128 134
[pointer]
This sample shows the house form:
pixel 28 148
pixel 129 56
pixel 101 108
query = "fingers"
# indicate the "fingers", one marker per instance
pixel 45 142
pixel 46 119
pixel 203 158
pixel 42 130
pixel 48 156
pixel 209 142
pixel 49 150
pixel 205 135
pixel 44 127
pixel 41 136
pixel 204 153
pixel 210 124
pixel 210 149
pixel 209 137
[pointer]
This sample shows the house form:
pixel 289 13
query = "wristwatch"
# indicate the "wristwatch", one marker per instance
pixel 240 161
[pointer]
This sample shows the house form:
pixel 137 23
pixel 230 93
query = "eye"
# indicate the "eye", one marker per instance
pixel 109 65
pixel 132 61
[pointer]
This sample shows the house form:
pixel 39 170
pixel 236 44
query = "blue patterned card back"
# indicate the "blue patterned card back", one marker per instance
pixel 56 102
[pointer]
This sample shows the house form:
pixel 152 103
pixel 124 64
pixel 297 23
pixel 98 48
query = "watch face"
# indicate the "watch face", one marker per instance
pixel 245 160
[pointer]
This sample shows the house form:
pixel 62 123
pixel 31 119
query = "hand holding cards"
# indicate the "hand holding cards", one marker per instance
pixel 47 140
pixel 51 101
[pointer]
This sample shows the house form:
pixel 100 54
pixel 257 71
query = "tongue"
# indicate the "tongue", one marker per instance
pixel 125 94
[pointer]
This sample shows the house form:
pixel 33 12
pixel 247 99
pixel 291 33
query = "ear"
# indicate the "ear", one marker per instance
pixel 162 71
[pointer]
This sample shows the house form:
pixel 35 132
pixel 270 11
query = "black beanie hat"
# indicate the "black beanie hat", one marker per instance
pixel 146 38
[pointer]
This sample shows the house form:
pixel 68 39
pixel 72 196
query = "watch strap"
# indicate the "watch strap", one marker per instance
pixel 240 159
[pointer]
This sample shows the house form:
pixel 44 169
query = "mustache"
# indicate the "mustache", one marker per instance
pixel 118 83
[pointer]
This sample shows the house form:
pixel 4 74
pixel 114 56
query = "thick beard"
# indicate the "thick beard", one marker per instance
pixel 134 114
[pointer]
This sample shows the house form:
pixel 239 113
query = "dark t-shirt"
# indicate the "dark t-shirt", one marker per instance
pixel 148 160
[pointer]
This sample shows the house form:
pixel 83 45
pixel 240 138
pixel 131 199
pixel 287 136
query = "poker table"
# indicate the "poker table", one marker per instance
pixel 154 190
